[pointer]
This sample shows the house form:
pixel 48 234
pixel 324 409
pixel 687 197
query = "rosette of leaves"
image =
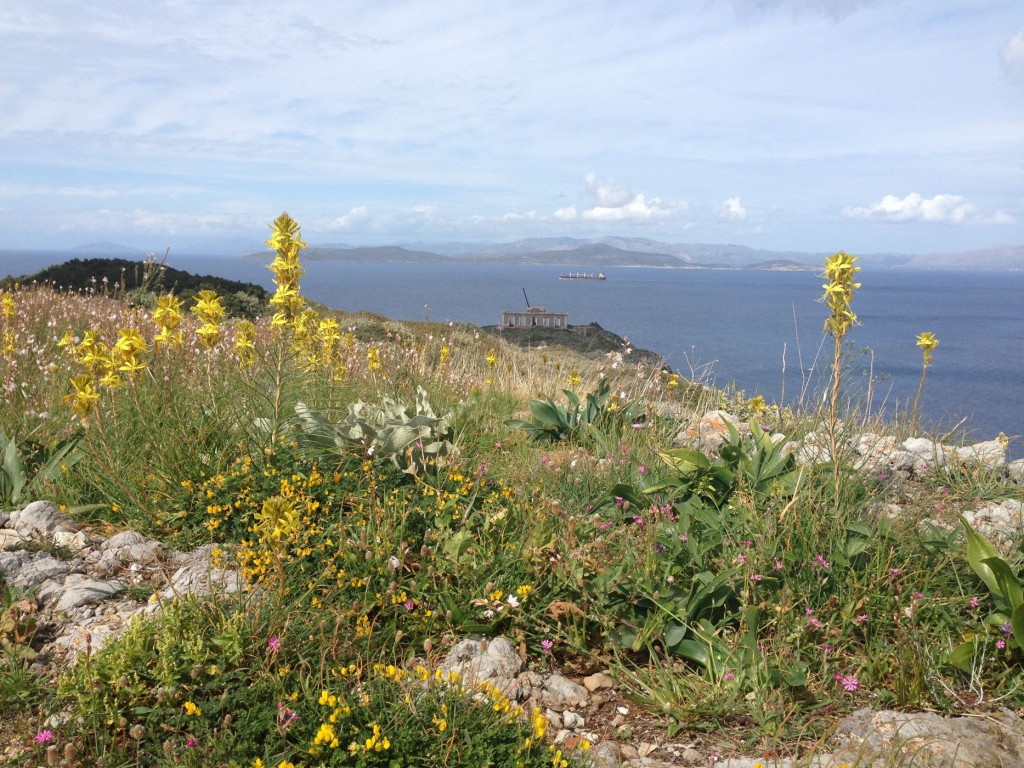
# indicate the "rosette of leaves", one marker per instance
pixel 415 439
pixel 759 465
pixel 24 467
pixel 594 421
pixel 1007 590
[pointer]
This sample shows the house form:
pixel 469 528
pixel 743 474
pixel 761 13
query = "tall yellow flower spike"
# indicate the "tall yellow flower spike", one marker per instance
pixel 287 269
pixel 927 342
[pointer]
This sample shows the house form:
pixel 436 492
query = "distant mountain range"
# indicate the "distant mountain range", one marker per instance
pixel 641 252
pixel 614 252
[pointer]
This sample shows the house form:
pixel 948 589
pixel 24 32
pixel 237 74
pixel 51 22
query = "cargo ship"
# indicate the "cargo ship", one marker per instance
pixel 582 276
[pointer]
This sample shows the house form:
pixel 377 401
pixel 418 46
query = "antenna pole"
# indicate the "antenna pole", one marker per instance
pixel 527 298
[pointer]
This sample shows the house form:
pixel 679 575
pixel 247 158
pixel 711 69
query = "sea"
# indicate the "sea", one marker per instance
pixel 750 330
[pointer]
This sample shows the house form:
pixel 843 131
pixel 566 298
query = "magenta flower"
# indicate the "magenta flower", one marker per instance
pixel 756 577
pixel 408 605
pixel 1000 644
pixel 861 619
pixel 822 561
pixel 547 645
pixel 190 742
pixel 274 643
pixel 44 737
pixel 849 682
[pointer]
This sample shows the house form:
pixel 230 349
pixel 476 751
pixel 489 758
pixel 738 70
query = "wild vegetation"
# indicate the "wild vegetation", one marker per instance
pixel 388 488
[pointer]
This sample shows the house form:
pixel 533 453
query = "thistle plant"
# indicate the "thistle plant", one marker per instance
pixel 927 342
pixel 840 271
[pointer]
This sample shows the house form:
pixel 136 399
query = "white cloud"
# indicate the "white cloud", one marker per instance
pixel 606 194
pixel 357 217
pixel 731 210
pixel 613 203
pixel 913 207
pixel 1001 217
pixel 158 222
pixel 1013 57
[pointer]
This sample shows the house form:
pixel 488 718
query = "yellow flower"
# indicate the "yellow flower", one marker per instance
pixel 84 397
pixel 927 342
pixel 278 518
pixel 491 358
pixel 191 710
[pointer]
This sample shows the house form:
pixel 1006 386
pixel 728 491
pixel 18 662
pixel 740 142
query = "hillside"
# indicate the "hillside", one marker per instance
pixel 106 275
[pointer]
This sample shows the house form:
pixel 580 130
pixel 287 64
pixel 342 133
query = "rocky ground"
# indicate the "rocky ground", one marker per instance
pixel 85 588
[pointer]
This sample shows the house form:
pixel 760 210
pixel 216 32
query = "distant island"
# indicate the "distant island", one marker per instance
pixel 606 252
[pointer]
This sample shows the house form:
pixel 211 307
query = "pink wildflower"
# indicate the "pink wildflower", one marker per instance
pixel 44 737
pixel 274 643
pixel 849 682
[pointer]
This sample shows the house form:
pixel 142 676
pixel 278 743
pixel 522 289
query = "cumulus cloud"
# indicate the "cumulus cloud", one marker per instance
pixel 1013 57
pixel 355 218
pixel 612 202
pixel 941 208
pixel 731 210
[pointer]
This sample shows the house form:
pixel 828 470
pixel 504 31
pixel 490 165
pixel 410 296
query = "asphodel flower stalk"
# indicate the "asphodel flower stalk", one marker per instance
pixel 167 317
pixel 287 269
pixel 7 313
pixel 245 343
pixel 927 342
pixel 840 271
pixel 286 301
pixel 211 313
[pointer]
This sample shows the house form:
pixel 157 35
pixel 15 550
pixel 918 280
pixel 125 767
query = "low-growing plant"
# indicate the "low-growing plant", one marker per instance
pixel 414 438
pixel 1006 588
pixel 26 467
pixel 598 421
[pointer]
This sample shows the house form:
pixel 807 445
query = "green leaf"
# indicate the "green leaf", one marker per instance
pixel 692 650
pixel 674 634
pixel 795 676
pixel 980 549
pixel 548 413
pixel 1017 622
pixel 1009 584
pixel 962 657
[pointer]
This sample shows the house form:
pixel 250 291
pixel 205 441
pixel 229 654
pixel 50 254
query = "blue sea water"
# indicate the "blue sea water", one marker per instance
pixel 761 331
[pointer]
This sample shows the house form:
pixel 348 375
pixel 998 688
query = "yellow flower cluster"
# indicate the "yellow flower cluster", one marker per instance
pixel 277 519
pixel 840 271
pixel 128 351
pixel 7 312
pixel 927 342
pixel 318 341
pixel 103 366
pixel 211 313
pixel 373 358
pixel 83 397
pixel 287 269
pixel 167 316
pixel 245 342
pixel 191 710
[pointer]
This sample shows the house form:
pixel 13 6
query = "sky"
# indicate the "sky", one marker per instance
pixel 800 125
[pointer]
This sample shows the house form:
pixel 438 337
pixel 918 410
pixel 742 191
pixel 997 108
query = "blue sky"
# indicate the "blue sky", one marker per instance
pixel 807 125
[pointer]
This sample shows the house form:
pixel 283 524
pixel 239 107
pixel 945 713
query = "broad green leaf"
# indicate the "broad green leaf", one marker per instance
pixel 692 650
pixel 1009 584
pixel 962 657
pixel 795 676
pixel 978 550
pixel 1017 623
